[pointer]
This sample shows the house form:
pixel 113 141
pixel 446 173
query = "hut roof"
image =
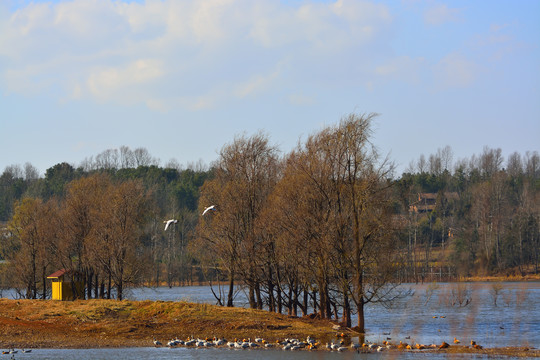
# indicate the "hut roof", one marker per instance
pixel 57 274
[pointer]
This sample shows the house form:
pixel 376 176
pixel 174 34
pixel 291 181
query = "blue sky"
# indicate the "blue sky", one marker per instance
pixel 182 78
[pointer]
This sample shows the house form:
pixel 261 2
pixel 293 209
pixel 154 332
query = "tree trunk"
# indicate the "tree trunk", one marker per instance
pixel 258 295
pixel 230 302
pixel 279 300
pixel 346 321
pixel 361 320
pixel 89 277
pixel 109 287
pixel 96 287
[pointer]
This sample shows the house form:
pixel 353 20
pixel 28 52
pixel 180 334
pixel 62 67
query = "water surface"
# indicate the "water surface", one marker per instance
pixel 225 354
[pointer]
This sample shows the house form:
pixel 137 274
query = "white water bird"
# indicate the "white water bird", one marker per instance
pixel 213 207
pixel 169 222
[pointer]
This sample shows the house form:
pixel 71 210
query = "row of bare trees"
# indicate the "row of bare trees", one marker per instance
pixel 310 229
pixel 95 230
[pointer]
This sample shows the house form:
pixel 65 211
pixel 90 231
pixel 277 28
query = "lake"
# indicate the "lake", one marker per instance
pixel 432 314
pixel 225 354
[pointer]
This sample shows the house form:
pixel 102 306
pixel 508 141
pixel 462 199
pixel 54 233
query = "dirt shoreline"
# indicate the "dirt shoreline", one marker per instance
pixel 85 324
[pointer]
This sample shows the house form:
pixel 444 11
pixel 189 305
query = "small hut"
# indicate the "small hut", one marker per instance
pixel 67 285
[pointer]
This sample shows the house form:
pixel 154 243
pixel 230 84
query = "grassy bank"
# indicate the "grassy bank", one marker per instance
pixel 102 323
pixel 110 323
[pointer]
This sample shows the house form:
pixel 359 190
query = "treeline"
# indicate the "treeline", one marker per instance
pixel 325 228
pixel 484 218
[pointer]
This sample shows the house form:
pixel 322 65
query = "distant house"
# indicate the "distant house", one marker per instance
pixel 67 285
pixel 427 201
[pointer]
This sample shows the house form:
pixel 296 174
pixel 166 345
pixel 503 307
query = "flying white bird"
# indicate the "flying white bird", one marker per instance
pixel 169 222
pixel 213 207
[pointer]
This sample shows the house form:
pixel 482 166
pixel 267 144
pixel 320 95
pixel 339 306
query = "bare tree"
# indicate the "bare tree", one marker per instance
pixel 141 157
pixel 446 155
pixel 514 165
pixel 30 172
pixel 117 232
pixel 126 157
pixel 490 161
pixel 342 196
pixel 245 174
pixel 33 225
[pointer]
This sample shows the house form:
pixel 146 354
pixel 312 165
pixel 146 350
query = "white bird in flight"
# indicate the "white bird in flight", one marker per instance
pixel 169 222
pixel 213 207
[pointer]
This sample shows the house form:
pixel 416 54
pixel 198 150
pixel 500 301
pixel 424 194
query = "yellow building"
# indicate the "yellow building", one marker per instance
pixel 66 285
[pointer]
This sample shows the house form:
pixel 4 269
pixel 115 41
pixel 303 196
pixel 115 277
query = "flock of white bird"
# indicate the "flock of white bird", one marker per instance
pixel 287 344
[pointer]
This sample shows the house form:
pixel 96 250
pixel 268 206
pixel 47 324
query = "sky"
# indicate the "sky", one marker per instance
pixel 183 78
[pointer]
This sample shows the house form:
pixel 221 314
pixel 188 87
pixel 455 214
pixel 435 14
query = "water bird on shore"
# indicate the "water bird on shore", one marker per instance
pixel 157 343
pixel 212 207
pixel 169 222
pixel 402 345
pixel 475 345
pixel 444 345
pixel 171 343
pixel 456 341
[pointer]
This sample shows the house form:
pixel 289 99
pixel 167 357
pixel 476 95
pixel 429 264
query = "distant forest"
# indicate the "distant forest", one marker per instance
pixel 444 219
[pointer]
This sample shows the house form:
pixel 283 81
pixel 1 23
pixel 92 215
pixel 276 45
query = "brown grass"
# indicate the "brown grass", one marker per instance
pixel 110 323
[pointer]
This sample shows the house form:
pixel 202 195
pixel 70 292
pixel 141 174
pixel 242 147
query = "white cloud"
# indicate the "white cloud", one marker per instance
pixel 205 51
pixel 117 82
pixel 403 68
pixel 440 14
pixel 455 70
